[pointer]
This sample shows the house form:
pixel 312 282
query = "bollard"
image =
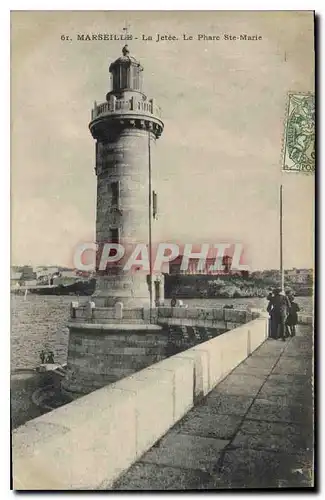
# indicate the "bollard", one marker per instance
pixel 73 307
pixel 90 309
pixel 118 310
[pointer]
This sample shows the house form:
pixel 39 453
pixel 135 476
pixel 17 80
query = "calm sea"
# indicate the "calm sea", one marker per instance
pixel 39 322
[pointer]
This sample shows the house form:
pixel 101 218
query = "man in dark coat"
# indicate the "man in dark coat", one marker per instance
pixel 272 332
pixel 279 313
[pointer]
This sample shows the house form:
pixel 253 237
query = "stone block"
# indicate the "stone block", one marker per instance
pixel 146 477
pixel 235 316
pixel 258 332
pixel 230 325
pixel 227 404
pixel 191 313
pixel 233 346
pixel 263 409
pixel 179 312
pixel 104 313
pixel 154 404
pixel 182 368
pixel 80 313
pixel 164 312
pixel 200 374
pixel 250 468
pixel 270 441
pixel 85 454
pixel 186 451
pixel 134 313
pixel 218 314
pixel 242 385
pixel 201 423
pixel 219 325
pixel 213 362
pixel 206 314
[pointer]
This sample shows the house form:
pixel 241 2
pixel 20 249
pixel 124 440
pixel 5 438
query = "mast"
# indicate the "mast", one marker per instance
pixel 150 221
pixel 281 239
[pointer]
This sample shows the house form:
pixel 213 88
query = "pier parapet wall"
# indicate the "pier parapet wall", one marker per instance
pixel 112 427
pixel 108 344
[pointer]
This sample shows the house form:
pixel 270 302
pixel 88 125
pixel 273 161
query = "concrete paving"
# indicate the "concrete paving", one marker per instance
pixel 254 430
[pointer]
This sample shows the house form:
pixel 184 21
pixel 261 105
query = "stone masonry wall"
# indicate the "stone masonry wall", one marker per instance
pixel 98 357
pixel 125 160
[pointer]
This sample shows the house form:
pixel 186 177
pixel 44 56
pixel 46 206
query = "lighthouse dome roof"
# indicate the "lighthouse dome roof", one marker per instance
pixel 126 58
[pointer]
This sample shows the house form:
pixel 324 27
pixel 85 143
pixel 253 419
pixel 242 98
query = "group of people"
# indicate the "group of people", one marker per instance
pixel 283 311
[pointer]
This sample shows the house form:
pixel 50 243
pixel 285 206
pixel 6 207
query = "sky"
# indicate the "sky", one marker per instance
pixel 219 158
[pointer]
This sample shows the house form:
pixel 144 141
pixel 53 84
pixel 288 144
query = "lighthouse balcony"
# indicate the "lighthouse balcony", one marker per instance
pixel 122 106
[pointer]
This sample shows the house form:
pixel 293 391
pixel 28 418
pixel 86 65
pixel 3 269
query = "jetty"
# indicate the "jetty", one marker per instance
pixel 187 422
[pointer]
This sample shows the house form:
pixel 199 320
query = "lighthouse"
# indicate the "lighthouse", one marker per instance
pixel 116 333
pixel 125 127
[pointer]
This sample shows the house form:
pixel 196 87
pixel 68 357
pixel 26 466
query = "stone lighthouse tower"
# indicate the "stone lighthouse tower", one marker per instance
pixel 125 128
pixel 116 333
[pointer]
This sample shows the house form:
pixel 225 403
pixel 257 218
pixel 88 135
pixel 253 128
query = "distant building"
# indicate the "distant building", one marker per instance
pixel 15 278
pixel 223 266
pixel 66 277
pixel 294 276
pixel 301 276
pixel 27 273
pixel 45 272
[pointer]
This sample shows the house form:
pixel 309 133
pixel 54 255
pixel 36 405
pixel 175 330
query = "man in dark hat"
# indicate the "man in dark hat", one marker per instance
pixel 272 329
pixel 279 313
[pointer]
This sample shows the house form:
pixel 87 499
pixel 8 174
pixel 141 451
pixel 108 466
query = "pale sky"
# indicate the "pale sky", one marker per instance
pixel 219 158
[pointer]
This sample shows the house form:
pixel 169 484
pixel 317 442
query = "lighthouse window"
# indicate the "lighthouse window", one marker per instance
pixel 115 193
pixel 124 77
pixel 115 80
pixel 114 235
pixel 135 79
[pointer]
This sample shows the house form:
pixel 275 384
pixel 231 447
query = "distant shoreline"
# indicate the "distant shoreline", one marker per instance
pixel 186 287
pixel 227 287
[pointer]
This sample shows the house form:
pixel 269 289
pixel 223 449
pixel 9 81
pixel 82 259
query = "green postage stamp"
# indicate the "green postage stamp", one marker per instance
pixel 299 143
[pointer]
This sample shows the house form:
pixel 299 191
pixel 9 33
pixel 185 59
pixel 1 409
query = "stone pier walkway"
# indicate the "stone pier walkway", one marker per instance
pixel 254 430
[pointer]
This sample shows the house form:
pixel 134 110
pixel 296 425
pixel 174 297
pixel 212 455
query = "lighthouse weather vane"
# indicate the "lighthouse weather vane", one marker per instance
pixel 126 30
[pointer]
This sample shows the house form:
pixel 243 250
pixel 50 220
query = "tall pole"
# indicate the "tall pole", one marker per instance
pixel 281 238
pixel 150 220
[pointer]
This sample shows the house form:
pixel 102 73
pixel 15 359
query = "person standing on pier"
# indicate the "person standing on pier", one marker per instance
pixel 269 308
pixel 279 311
pixel 292 318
